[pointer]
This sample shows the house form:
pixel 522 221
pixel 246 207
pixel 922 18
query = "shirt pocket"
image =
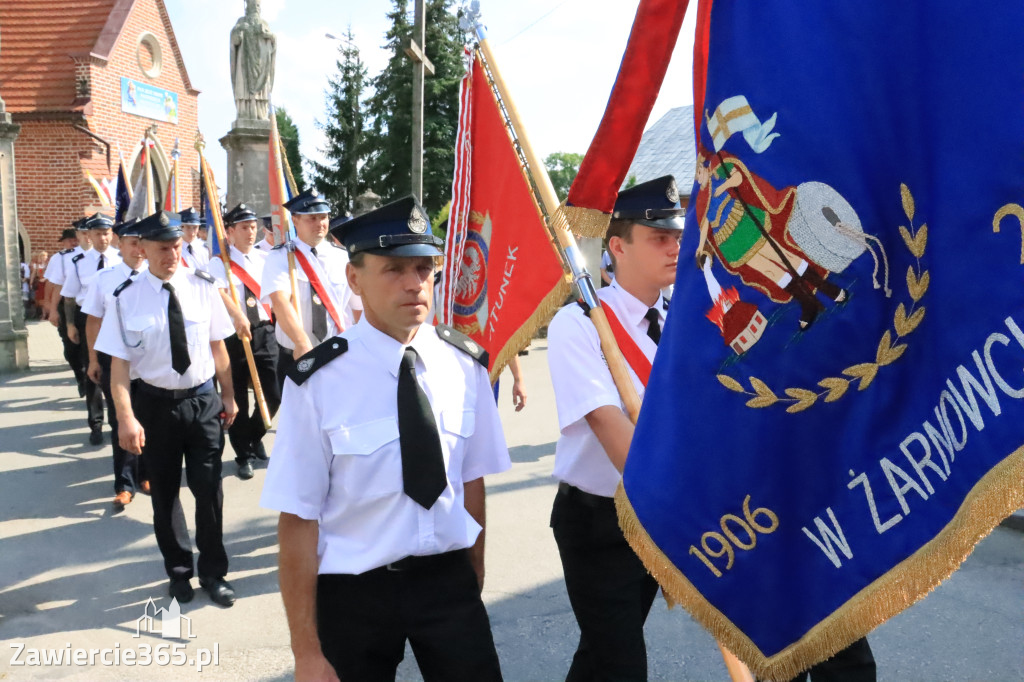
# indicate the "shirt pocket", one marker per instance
pixel 197 325
pixel 368 458
pixel 457 426
pixel 136 329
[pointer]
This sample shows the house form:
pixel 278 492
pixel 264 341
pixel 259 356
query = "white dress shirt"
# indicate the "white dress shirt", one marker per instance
pixel 583 383
pixel 263 245
pixel 101 294
pixel 252 263
pixel 329 264
pixel 139 332
pixel 199 256
pixel 57 267
pixel 337 457
pixel 81 274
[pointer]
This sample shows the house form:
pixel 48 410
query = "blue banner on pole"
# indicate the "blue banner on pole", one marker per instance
pixel 836 411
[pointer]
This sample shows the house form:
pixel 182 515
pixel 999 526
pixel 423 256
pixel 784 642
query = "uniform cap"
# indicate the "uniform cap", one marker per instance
pixel 307 203
pixel 79 224
pixel 654 203
pixel 160 227
pixel 338 221
pixel 98 221
pixel 68 233
pixel 400 228
pixel 190 217
pixel 128 228
pixel 239 214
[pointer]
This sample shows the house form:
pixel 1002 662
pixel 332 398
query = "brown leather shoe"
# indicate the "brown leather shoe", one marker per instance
pixel 145 488
pixel 122 498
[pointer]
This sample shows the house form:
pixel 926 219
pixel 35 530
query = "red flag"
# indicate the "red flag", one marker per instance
pixel 171 202
pixel 507 276
pixel 648 52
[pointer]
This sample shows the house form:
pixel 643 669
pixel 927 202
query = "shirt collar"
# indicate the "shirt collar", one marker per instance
pixel 389 351
pixel 631 307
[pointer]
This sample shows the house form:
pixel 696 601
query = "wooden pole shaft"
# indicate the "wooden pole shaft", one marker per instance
pixel 218 226
pixel 560 226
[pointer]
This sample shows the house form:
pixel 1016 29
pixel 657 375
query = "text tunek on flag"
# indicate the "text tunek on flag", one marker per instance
pixel 836 411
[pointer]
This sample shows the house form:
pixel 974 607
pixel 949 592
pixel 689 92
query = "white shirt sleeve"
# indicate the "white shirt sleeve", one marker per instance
pixel 275 276
pixel 72 284
pixel 94 299
pixel 221 326
pixel 216 269
pixel 486 450
pixel 579 373
pixel 54 272
pixel 299 475
pixel 109 339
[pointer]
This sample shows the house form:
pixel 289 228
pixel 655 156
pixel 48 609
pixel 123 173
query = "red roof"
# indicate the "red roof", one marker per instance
pixel 41 39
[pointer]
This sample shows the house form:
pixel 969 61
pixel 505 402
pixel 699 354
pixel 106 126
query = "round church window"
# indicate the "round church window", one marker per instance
pixel 149 55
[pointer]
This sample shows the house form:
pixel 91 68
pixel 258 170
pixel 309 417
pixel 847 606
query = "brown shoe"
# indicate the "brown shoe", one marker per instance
pixel 122 498
pixel 145 488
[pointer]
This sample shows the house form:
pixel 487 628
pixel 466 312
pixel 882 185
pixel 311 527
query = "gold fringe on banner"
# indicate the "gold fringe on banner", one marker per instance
pixel 549 305
pixel 997 495
pixel 585 222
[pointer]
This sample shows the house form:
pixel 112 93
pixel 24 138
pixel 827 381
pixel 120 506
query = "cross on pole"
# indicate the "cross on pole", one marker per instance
pixel 421 67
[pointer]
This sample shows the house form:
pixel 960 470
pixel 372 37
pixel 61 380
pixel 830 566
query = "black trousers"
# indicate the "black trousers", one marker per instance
pixel 855 663
pixel 248 429
pixel 434 603
pixel 93 393
pixel 285 362
pixel 610 590
pixel 189 428
pixel 127 473
pixel 71 350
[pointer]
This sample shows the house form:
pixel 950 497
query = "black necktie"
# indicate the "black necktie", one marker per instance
pixel 252 310
pixel 134 272
pixel 180 360
pixel 319 311
pixel 191 252
pixel 102 262
pixel 423 476
pixel 653 329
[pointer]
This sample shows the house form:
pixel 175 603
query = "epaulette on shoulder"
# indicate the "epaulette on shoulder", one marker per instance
pixel 122 286
pixel 315 359
pixel 203 275
pixel 275 247
pixel 78 258
pixel 463 343
pixel 67 251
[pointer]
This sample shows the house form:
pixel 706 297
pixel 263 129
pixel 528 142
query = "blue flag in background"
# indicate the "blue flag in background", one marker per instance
pixel 207 217
pixel 836 411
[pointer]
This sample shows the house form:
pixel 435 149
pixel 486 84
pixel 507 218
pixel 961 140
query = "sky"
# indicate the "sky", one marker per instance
pixel 559 59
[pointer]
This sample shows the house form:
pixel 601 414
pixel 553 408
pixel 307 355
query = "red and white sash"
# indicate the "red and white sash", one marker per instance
pixel 635 357
pixel 242 274
pixel 318 287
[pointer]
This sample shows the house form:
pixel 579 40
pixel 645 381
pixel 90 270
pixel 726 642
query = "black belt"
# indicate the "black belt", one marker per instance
pixel 174 394
pixel 420 564
pixel 583 497
pixel 262 323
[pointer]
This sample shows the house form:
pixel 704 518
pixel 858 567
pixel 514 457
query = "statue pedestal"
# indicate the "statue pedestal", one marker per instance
pixel 248 148
pixel 13 335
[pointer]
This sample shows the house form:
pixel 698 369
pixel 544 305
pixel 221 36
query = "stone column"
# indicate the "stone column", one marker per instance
pixel 13 335
pixel 248 148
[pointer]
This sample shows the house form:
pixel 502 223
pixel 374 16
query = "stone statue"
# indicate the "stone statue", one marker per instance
pixel 253 51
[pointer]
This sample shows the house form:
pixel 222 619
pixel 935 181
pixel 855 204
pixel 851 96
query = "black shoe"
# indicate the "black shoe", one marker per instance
pixel 245 470
pixel 220 590
pixel 260 452
pixel 181 590
pixel 96 437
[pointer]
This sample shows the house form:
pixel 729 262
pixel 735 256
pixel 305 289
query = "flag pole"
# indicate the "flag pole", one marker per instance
pixel 282 161
pixel 218 226
pixel 150 199
pixel 738 671
pixel 560 226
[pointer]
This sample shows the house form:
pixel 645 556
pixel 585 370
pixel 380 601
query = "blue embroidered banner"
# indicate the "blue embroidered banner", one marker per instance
pixel 836 411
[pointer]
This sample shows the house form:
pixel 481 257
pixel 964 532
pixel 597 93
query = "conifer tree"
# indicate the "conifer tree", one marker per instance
pixel 289 133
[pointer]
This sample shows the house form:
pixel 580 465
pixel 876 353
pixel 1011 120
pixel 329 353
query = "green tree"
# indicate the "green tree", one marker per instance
pixel 289 133
pixel 388 140
pixel 338 177
pixel 562 169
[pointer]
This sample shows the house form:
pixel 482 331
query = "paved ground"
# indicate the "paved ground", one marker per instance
pixel 75 575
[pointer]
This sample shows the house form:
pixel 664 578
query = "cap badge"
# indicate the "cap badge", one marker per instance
pixel 672 192
pixel 417 223
pixel 305 365
pixel 164 222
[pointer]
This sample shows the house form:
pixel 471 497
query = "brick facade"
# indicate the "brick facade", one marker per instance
pixel 54 151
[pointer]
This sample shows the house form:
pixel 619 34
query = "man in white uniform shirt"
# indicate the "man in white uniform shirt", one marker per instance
pixel 193 248
pixel 252 320
pixel 98 303
pixel 79 277
pixel 384 437
pixel 610 590
pixel 55 275
pixel 326 305
pixel 168 335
